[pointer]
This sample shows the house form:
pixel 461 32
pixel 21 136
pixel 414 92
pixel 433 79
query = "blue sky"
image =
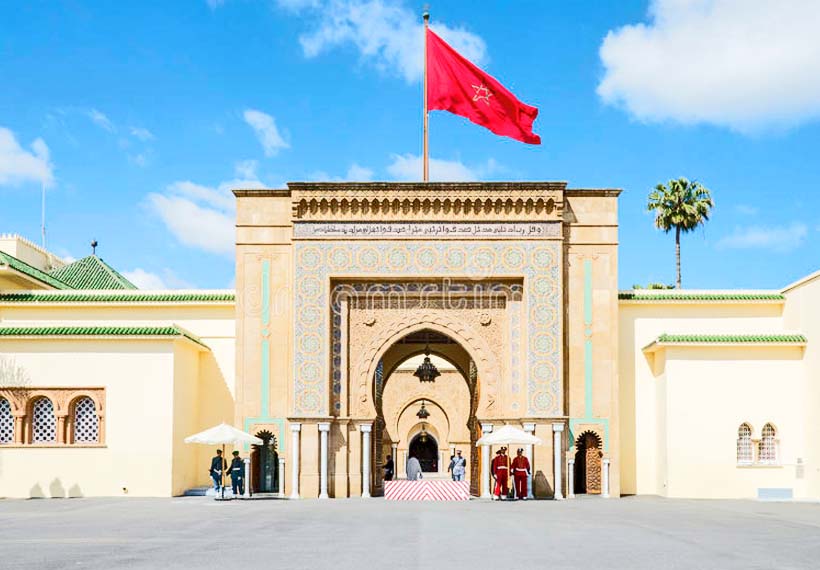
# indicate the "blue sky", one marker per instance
pixel 141 116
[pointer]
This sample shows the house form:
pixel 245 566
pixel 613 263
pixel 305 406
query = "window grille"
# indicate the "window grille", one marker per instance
pixel 43 422
pixel 6 422
pixel 86 422
pixel 767 451
pixel 745 454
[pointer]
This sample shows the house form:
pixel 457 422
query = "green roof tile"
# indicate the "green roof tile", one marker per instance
pixel 118 297
pixel 640 296
pixel 31 271
pixel 91 272
pixel 92 331
pixel 731 338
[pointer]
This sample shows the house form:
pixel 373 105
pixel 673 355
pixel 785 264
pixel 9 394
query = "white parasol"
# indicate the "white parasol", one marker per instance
pixel 509 435
pixel 223 434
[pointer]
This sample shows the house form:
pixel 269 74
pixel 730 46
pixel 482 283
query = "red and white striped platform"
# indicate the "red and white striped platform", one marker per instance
pixel 432 490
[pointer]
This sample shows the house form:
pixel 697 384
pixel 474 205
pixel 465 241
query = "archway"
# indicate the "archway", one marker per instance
pixel 405 406
pixel 588 464
pixel 424 447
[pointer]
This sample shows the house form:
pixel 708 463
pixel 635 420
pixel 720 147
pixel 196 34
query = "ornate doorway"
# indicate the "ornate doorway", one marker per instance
pixel 588 464
pixel 425 449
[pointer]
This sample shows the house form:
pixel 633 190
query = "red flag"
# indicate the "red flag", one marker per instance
pixel 455 84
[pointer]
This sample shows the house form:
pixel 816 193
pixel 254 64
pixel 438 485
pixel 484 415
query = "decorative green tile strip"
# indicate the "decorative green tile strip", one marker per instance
pixel 169 331
pixel 91 272
pixel 33 272
pixel 640 296
pixel 115 297
pixel 732 338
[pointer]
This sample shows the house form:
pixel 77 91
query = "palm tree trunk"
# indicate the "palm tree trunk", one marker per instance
pixel 677 255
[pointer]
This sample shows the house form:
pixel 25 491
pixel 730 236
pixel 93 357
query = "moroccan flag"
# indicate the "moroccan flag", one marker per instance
pixel 455 84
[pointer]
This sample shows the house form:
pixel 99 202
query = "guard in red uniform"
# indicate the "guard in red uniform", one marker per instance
pixel 501 470
pixel 520 469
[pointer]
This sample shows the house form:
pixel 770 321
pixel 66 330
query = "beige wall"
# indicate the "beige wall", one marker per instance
pixel 157 393
pixel 682 405
pixel 138 378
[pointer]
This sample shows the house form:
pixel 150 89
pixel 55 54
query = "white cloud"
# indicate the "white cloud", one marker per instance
pixel 142 134
pixel 101 120
pixel 153 281
pixel 265 128
pixel 385 33
pixel 144 279
pixel 408 167
pixel 775 238
pixel 246 169
pixel 358 173
pixel 743 64
pixel 201 217
pixel 747 210
pixel 355 173
pixel 18 166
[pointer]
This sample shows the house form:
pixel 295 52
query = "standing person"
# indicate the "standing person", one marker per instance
pixel 459 466
pixel 218 465
pixel 237 471
pixel 520 470
pixel 501 471
pixel 389 468
pixel 413 469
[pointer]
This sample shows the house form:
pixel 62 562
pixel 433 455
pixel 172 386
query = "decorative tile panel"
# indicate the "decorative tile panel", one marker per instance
pixel 537 262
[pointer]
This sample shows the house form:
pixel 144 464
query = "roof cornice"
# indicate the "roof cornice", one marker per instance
pixel 120 297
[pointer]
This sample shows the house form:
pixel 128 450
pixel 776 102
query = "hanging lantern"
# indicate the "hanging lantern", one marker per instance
pixel 422 414
pixel 423 434
pixel 427 371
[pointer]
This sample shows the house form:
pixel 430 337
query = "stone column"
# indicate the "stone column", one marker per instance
pixel 441 462
pixel 324 427
pixel 404 463
pixel 485 463
pixel 366 429
pixel 570 479
pixel 395 449
pixel 61 429
pixel 530 429
pixel 247 491
pixel 19 429
pixel 294 458
pixel 605 478
pixel 557 452
pixel 281 477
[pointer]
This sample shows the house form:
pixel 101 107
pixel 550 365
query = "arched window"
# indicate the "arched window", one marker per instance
pixel 6 422
pixel 43 422
pixel 767 451
pixel 86 422
pixel 745 454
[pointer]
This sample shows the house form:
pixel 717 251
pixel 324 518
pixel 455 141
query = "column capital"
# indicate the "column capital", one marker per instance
pixel 281 460
pixel 486 428
pixel 324 426
pixel 295 427
pixel 366 428
pixel 571 461
pixel 557 427
pixel 247 460
pixel 528 426
pixel 605 461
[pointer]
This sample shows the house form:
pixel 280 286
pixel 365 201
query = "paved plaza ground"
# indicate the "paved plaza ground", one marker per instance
pixel 197 532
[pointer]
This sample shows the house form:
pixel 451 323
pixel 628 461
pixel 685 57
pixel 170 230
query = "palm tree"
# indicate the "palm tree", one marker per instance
pixel 682 205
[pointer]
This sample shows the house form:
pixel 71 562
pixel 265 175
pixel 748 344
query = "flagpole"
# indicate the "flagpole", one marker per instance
pixel 426 148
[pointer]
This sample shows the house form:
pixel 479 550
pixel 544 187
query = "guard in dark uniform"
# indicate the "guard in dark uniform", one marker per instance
pixel 218 465
pixel 237 471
